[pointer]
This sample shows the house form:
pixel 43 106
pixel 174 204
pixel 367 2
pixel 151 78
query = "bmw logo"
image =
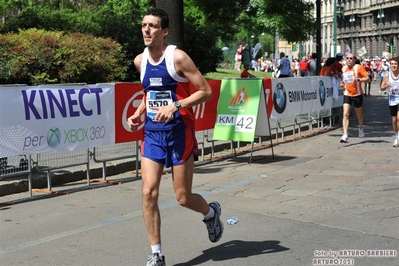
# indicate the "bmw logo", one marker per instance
pixel 279 98
pixel 322 93
pixel 53 137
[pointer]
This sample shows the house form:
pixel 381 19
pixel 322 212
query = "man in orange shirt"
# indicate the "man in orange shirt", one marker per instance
pixel 352 76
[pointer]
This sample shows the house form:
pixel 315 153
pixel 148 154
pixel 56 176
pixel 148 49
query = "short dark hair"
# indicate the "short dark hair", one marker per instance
pixel 157 12
pixel 282 55
pixel 330 61
pixel 396 59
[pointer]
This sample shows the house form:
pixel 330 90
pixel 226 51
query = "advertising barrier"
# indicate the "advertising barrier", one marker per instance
pixel 40 119
pixel 60 118
pixel 241 111
pixel 294 96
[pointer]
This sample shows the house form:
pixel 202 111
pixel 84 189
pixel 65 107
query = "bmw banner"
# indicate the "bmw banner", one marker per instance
pixel 293 96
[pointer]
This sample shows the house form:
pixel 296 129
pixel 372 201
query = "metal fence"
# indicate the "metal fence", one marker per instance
pixel 115 152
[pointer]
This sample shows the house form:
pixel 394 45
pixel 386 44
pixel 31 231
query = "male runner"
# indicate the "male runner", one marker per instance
pixel 169 135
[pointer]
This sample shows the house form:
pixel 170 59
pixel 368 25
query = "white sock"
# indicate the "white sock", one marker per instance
pixel 210 214
pixel 157 249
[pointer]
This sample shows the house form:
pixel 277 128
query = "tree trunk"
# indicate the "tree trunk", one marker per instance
pixel 174 9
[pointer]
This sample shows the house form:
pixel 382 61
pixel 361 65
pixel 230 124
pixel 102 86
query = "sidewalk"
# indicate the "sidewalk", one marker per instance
pixel 316 197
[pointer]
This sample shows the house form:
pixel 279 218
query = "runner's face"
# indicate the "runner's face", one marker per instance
pixel 394 65
pixel 152 31
pixel 350 60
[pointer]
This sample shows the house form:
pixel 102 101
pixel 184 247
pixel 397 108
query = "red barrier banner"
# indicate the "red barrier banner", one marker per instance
pixel 267 90
pixel 205 113
pixel 128 97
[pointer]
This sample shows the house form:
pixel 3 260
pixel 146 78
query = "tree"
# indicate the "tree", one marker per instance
pixel 293 20
pixel 174 9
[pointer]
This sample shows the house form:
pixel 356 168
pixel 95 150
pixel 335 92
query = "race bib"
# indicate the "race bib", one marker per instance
pixel 349 76
pixel 157 99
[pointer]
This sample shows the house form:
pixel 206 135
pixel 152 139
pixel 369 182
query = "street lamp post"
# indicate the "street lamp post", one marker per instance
pixel 351 20
pixel 381 16
pixel 335 28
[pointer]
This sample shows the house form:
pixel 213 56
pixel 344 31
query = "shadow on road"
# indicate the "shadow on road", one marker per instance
pixel 236 249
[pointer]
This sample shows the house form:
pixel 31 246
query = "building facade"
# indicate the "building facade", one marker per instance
pixel 367 28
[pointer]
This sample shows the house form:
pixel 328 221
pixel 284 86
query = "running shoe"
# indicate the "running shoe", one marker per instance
pixel 361 133
pixel 344 139
pixel 155 260
pixel 395 143
pixel 214 225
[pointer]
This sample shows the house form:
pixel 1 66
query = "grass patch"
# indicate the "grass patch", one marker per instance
pixel 231 73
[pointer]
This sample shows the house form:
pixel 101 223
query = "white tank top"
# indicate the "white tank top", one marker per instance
pixel 393 93
pixel 170 66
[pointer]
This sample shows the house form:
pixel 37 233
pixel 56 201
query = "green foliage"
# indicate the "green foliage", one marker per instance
pixel 36 57
pixel 200 46
pixel 117 19
pixel 208 23
pixel 292 19
pixel 209 26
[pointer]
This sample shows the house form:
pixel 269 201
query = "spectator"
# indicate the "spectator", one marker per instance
pixel 304 67
pixel 369 68
pixel 383 70
pixel 323 61
pixel 296 68
pixel 254 64
pixel 374 64
pixel 239 57
pixel 245 73
pixel 284 66
pixel 328 68
pixel 312 65
pixel 338 64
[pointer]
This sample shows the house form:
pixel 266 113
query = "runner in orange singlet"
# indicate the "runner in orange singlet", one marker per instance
pixel 352 77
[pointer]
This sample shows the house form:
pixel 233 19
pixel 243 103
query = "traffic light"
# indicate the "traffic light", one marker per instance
pixel 295 47
pixel 340 12
pixel 388 47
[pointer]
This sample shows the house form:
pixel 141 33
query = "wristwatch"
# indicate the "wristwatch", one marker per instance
pixel 177 105
pixel 358 79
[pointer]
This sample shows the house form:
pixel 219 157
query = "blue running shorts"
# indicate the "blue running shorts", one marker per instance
pixel 170 148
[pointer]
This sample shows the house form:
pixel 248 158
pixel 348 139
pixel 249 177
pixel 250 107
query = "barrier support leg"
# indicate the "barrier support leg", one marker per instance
pixel 88 167
pixel 49 180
